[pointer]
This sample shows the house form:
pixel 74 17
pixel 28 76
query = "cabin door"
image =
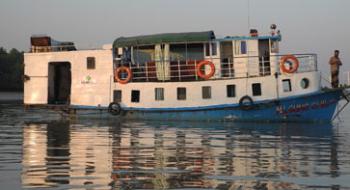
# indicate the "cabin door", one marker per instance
pixel 59 83
pixel 264 57
pixel 226 55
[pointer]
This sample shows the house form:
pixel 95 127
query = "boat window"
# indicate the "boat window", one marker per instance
pixel 126 57
pixel 256 88
pixel 90 62
pixel 135 96
pixel 181 93
pixel 159 94
pixel 274 47
pixel 231 90
pixel 240 47
pixel 117 96
pixel 207 49
pixel 185 52
pixel 206 92
pixel 287 87
pixel 304 83
pixel 143 54
pixel 213 49
pixel 210 49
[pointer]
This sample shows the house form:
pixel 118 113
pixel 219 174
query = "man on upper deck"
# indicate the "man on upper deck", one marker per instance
pixel 335 64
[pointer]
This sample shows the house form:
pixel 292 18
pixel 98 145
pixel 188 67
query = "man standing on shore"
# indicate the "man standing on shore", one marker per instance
pixel 335 64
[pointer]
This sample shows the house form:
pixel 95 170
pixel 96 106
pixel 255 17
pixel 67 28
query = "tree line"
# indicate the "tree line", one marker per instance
pixel 11 70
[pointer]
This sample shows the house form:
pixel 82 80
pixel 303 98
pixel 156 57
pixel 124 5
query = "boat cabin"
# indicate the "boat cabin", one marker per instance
pixel 175 57
pixel 167 71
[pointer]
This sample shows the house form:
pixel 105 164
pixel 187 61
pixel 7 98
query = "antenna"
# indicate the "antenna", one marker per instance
pixel 248 1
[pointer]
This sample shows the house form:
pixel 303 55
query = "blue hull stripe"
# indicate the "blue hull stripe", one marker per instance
pixel 318 106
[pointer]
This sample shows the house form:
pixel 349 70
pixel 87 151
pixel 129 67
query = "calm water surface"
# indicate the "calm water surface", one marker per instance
pixel 39 150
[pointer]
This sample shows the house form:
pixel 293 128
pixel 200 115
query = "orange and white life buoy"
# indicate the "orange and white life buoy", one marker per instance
pixel 120 70
pixel 201 74
pixel 292 61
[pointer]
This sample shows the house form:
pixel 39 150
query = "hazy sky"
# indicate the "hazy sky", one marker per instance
pixel 307 26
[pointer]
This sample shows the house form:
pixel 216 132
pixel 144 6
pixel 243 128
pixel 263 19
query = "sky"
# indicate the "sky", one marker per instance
pixel 307 26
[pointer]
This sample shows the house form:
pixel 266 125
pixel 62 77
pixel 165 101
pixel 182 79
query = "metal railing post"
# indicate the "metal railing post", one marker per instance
pixel 263 65
pixel 146 67
pixel 195 69
pixel 348 76
pixel 229 68
pixel 179 70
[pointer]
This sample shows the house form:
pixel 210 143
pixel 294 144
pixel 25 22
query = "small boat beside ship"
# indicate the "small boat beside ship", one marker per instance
pixel 181 76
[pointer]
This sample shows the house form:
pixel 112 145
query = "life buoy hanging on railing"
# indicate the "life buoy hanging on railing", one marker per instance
pixel 292 60
pixel 120 70
pixel 202 74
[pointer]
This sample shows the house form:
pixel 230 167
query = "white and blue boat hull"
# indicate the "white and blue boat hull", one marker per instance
pixel 315 107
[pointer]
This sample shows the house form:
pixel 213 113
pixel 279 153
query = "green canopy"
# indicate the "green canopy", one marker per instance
pixel 164 38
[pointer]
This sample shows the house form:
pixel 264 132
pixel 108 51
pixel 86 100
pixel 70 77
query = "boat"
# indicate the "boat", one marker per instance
pixel 190 76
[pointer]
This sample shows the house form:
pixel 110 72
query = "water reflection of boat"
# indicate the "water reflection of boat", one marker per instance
pixel 155 155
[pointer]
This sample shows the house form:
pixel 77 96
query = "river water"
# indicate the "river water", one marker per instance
pixel 41 150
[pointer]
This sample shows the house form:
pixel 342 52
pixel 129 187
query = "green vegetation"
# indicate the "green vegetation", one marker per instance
pixel 11 70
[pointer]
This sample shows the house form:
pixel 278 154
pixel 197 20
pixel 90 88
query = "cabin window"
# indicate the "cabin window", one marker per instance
pixel 240 47
pixel 274 47
pixel 135 96
pixel 231 90
pixel 256 88
pixel 207 49
pixel 90 63
pixel 287 86
pixel 181 93
pixel 143 54
pixel 210 49
pixel 117 96
pixel 159 94
pixel 206 92
pixel 304 83
pixel 183 52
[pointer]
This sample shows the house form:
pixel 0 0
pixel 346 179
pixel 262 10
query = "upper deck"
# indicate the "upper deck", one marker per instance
pixel 178 57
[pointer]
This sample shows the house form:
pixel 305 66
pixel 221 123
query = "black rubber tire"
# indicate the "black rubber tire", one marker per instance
pixel 246 103
pixel 114 108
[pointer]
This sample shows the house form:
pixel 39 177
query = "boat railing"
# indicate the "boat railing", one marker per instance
pixel 228 68
pixel 52 48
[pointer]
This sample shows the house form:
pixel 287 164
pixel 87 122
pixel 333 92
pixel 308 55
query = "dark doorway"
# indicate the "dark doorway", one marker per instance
pixel 264 57
pixel 59 83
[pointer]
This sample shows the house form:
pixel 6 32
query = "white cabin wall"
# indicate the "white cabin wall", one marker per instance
pixel 246 64
pixel 218 91
pixel 194 93
pixel 314 86
pixel 253 60
pixel 36 89
pixel 97 91
pixel 90 93
pixel 215 59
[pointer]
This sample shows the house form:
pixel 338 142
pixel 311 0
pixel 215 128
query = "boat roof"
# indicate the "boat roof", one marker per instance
pixel 230 38
pixel 187 37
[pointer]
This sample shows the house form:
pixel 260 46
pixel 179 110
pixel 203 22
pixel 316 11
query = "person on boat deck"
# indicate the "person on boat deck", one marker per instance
pixel 335 64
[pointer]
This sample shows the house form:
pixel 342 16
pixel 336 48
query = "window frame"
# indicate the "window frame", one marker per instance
pixel 234 90
pixel 206 94
pixel 115 96
pixel 179 96
pixel 136 99
pixel 256 86
pixel 287 82
pixel 239 47
pixel 159 94
pixel 90 63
